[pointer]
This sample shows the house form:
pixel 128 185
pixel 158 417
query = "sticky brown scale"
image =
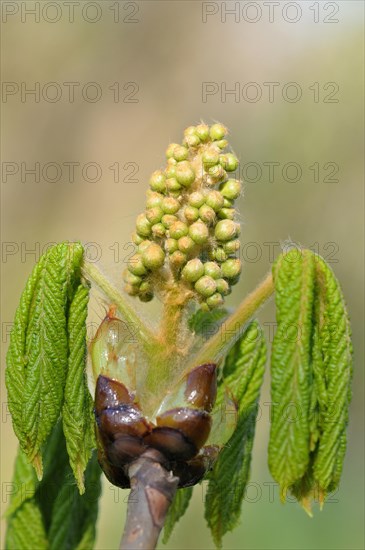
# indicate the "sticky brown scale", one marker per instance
pixel 123 433
pixel 192 423
pixel 201 386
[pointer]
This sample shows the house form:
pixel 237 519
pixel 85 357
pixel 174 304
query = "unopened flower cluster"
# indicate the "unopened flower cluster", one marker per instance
pixel 188 229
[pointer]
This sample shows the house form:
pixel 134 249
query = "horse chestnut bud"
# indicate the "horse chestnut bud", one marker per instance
pixel 136 265
pixel 185 174
pixel 158 181
pixel 231 189
pixel 153 257
pixel 231 268
pixel 217 131
pixel 205 286
pixel 199 232
pixel 193 270
pixel 143 225
pixel 225 230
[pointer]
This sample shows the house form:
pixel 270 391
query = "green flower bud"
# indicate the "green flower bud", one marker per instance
pixel 199 232
pixel 143 225
pixel 215 200
pixel 231 268
pixel 186 244
pixel 216 173
pixel 153 257
pixel 136 266
pixel 170 171
pixel 147 297
pixel 172 185
pixel 219 254
pixel 178 259
pixel 212 269
pixel 229 162
pixel 206 286
pixel 137 239
pixel 178 229
pixel 191 141
pixel 197 199
pixel 191 214
pixel 217 132
pixel 190 131
pixel 222 143
pixel 158 181
pixel 226 213
pixel 158 230
pixel 154 215
pixel 170 150
pixel 231 247
pixel 207 214
pixel 223 287
pixel 180 153
pixel 153 199
pixel 225 230
pixel 185 173
pixel 132 290
pixel 202 131
pixel 168 220
pixel 145 287
pixel 131 279
pixel 171 245
pixel 216 300
pixel 228 203
pixel 145 244
pixel 193 270
pixel 231 189
pixel 210 158
pixel 170 205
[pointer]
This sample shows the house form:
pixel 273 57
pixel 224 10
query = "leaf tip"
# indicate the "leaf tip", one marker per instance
pixel 306 504
pixel 80 480
pixel 38 466
pixel 283 492
pixel 321 499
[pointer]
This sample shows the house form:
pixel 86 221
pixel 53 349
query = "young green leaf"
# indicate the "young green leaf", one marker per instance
pixel 37 359
pixel 177 509
pixel 312 373
pixel 51 514
pixel 242 377
pixel 291 367
pixel 333 379
pixel 24 483
pixel 74 515
pixel 206 323
pixel 77 411
pixel 26 529
pixel 16 358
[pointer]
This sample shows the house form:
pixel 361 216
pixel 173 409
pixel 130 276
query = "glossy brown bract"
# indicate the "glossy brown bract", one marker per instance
pixel 123 433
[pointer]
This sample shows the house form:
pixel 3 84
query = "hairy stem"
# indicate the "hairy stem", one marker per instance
pixel 144 334
pixel 217 347
pixel 152 491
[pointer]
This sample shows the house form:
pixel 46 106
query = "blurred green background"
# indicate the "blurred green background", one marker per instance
pixel 159 56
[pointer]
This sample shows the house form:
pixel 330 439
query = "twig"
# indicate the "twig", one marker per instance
pixel 152 491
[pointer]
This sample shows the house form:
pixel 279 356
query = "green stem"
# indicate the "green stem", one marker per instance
pixel 217 347
pixel 144 334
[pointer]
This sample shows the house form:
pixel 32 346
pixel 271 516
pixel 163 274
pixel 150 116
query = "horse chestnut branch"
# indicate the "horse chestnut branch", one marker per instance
pixel 163 413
